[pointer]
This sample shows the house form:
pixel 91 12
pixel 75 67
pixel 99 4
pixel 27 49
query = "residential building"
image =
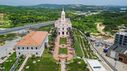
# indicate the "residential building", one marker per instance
pixel 32 44
pixel 119 49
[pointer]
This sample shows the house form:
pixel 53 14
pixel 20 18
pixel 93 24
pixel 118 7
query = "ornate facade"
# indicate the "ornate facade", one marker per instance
pixel 63 25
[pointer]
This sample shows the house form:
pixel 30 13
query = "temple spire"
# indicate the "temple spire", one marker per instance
pixel 63 14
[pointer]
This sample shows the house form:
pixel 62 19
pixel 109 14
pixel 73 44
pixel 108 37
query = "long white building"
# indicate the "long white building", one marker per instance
pixel 32 44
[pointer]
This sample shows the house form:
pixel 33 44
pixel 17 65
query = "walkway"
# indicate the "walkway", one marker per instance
pixel 63 66
pixel 23 64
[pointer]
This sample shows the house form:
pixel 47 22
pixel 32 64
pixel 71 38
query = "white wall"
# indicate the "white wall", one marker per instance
pixel 31 51
pixel 112 54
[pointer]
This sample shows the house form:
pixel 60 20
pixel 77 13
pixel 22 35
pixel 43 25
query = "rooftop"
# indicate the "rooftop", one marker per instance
pixel 119 49
pixel 95 65
pixel 34 38
pixel 122 33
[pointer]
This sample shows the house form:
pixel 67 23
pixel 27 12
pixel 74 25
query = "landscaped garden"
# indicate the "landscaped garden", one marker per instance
pixel 63 51
pixel 63 40
pixel 9 62
pixel 44 63
pixel 76 46
pixel 81 45
pixel 77 65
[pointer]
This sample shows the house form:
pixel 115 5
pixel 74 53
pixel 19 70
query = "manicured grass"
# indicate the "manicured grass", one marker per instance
pixel 82 42
pixel 46 63
pixel 77 65
pixel 77 47
pixel 63 51
pixel 63 40
pixel 9 62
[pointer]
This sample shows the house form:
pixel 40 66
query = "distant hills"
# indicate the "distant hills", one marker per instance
pixel 79 7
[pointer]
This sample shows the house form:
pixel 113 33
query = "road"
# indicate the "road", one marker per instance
pixel 118 65
pixel 7 48
pixel 26 27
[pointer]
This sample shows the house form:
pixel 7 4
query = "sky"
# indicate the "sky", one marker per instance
pixel 85 2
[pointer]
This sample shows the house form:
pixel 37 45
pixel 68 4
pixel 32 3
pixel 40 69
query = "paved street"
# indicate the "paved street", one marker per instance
pixel 119 65
pixel 7 48
pixel 26 27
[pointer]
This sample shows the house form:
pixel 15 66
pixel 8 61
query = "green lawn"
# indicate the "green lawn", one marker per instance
pixel 63 40
pixel 77 65
pixel 81 42
pixel 63 51
pixel 46 63
pixel 77 45
pixel 9 62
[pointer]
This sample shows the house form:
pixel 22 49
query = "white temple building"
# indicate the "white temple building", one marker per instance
pixel 63 24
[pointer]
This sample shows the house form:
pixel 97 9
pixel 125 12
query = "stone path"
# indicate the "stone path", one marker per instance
pixel 63 66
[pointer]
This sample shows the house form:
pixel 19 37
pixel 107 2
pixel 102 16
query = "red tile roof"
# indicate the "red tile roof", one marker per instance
pixel 34 38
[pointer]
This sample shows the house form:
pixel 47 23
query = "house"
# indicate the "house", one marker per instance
pixel 119 49
pixel 32 44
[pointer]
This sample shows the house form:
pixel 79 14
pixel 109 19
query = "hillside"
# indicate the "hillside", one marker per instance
pixel 110 16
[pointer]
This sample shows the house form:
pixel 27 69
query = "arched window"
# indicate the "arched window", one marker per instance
pixel 36 53
pixel 32 48
pixel 36 48
pixel 19 53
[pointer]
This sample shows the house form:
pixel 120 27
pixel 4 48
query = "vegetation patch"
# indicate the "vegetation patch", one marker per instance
pixel 77 65
pixel 3 38
pixel 44 63
pixel 46 28
pixel 76 45
pixel 9 62
pixel 63 40
pixel 63 51
pixel 83 46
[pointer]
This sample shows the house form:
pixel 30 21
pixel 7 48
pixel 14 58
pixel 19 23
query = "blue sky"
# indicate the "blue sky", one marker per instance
pixel 86 2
